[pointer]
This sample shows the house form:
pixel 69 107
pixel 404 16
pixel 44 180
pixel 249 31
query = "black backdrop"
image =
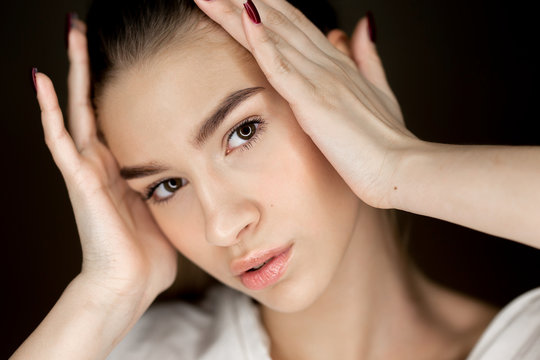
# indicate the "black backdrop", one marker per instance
pixel 465 71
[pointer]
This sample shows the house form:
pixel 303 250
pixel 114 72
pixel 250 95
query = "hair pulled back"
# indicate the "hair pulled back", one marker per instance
pixel 123 32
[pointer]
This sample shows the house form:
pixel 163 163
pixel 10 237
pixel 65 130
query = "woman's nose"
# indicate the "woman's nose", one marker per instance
pixel 229 214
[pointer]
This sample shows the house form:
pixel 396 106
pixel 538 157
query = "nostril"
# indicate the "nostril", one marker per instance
pixel 242 231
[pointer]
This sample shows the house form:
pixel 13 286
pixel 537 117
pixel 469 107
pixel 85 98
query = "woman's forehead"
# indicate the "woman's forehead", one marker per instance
pixel 174 92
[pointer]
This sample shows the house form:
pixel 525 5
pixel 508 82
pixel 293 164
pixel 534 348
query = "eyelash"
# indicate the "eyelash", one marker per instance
pixel 150 190
pixel 249 144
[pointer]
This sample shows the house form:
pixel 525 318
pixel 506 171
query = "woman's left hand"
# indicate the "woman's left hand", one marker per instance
pixel 342 101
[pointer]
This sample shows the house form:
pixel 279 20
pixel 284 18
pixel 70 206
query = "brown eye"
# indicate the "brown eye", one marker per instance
pixel 244 134
pixel 172 185
pixel 247 131
pixel 167 188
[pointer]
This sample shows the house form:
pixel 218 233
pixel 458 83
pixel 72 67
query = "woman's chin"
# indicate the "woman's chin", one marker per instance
pixel 287 297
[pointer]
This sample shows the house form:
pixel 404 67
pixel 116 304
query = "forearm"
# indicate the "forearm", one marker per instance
pixel 494 189
pixel 83 324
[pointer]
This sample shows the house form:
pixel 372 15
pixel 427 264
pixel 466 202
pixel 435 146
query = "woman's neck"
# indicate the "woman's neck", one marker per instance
pixel 377 306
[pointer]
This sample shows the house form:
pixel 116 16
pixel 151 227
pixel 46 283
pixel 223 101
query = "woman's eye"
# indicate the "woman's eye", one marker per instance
pixel 243 134
pixel 166 189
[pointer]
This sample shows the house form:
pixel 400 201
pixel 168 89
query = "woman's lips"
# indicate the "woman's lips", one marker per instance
pixel 276 263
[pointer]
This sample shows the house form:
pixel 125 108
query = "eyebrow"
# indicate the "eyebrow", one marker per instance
pixel 207 128
pixel 134 172
pixel 210 125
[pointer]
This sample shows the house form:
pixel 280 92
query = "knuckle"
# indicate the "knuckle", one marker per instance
pixel 229 11
pixel 296 16
pixel 77 104
pixel 52 139
pixel 326 96
pixel 269 37
pixel 282 65
pixel 266 38
pixel 275 18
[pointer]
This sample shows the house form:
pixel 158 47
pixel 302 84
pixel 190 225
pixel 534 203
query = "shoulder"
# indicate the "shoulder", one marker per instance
pixel 224 325
pixel 514 333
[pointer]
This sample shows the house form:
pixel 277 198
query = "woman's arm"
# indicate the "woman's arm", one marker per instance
pixel 85 323
pixel 494 189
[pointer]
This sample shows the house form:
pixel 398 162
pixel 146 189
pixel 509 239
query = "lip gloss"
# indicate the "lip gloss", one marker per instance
pixel 268 274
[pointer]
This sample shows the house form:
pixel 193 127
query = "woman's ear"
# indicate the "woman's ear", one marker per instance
pixel 340 40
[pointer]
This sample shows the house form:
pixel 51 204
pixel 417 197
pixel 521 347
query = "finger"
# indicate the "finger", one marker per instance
pixel 225 14
pixel 287 21
pixel 316 47
pixel 57 138
pixel 282 71
pixel 272 8
pixel 81 113
pixel 342 70
pixel 289 71
pixel 367 59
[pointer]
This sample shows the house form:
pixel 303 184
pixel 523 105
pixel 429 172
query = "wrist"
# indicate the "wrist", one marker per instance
pixel 111 298
pixel 115 311
pixel 86 322
pixel 411 161
pixel 98 294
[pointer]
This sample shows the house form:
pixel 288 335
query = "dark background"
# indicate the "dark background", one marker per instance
pixel 464 72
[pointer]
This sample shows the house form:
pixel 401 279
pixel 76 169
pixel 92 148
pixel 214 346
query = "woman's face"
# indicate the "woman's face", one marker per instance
pixel 230 192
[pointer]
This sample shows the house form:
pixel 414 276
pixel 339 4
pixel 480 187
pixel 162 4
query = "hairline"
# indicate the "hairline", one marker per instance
pixel 185 36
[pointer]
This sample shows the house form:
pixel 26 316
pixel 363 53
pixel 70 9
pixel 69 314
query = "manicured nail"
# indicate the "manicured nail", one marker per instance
pixel 252 12
pixel 69 25
pixel 34 72
pixel 371 26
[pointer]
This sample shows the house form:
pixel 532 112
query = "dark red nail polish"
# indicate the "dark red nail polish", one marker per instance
pixel 252 12
pixel 69 25
pixel 371 26
pixel 34 72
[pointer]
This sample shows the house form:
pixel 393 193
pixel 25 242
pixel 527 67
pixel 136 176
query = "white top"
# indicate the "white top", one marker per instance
pixel 227 326
pixel 514 333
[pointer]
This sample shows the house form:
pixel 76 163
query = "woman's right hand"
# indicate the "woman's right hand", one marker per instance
pixel 124 251
pixel 127 260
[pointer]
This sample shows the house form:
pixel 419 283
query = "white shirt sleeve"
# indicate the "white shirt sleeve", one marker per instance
pixel 514 333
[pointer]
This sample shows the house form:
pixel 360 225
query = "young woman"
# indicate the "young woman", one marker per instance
pixel 268 153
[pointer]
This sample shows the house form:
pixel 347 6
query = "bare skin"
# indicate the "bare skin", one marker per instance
pixel 392 310
pixel 384 310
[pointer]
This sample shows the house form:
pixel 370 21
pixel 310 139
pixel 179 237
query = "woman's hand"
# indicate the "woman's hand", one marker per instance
pixel 123 248
pixel 344 104
pixel 127 261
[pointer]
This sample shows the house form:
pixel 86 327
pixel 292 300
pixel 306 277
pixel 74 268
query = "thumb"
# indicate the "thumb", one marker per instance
pixel 364 53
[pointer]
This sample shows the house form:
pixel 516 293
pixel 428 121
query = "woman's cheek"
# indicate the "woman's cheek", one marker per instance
pixel 181 220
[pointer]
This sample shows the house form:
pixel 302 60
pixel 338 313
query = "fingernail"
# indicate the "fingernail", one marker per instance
pixel 252 12
pixel 69 25
pixel 34 72
pixel 371 26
